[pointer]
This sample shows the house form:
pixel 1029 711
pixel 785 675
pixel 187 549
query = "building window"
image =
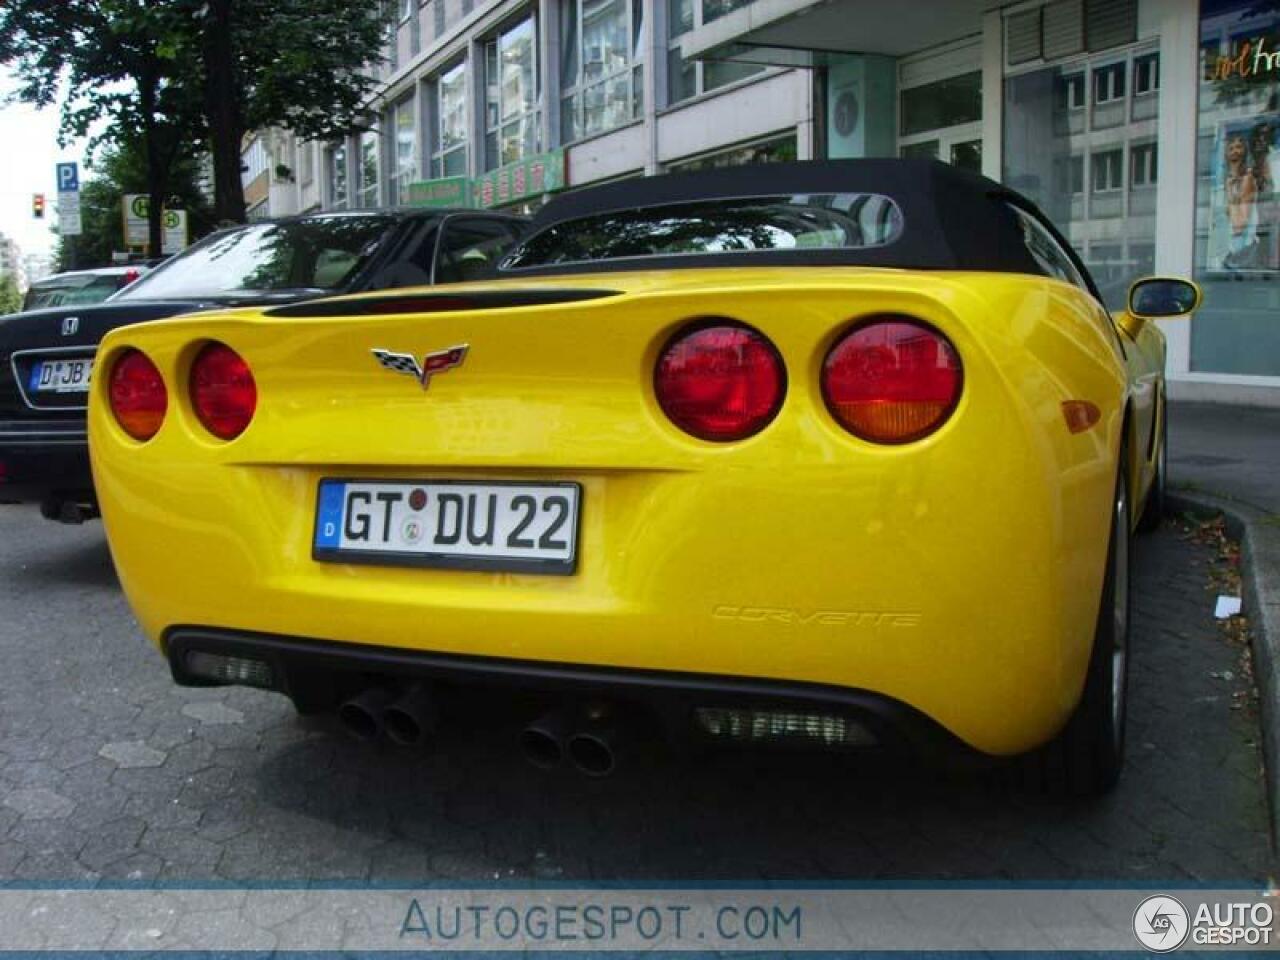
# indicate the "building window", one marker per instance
pixel 1071 91
pixel 368 196
pixel 943 103
pixel 1108 171
pixel 1070 175
pixel 449 154
pixel 513 120
pixel 1108 83
pixel 337 176
pixel 306 162
pixel 688 78
pixel 407 9
pixel 253 162
pixel 1142 164
pixel 601 70
pixel 406 149
pixel 1146 74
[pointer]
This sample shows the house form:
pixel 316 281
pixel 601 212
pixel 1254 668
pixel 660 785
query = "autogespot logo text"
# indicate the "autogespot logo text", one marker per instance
pixel 1161 924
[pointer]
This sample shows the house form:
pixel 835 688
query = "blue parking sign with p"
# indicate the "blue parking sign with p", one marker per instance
pixel 68 177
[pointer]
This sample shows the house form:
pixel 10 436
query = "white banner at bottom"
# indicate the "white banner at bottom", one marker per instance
pixel 646 919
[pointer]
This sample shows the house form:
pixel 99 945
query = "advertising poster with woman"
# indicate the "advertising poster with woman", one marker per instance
pixel 1243 235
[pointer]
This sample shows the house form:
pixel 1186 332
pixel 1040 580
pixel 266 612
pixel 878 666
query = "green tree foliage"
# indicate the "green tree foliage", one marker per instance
pixel 10 298
pixel 122 169
pixel 299 67
pixel 115 66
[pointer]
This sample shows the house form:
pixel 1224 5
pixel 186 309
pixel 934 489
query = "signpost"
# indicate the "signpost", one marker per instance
pixel 68 176
pixel 136 231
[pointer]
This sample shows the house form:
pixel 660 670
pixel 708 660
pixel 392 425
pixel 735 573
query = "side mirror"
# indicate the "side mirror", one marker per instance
pixel 1154 297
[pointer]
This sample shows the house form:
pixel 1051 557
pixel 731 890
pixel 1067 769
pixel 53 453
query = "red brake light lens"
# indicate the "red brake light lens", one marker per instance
pixel 892 380
pixel 223 392
pixel 720 382
pixel 137 394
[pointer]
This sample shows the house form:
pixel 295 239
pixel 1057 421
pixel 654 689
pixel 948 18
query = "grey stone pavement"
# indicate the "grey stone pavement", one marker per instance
pixel 1232 452
pixel 108 771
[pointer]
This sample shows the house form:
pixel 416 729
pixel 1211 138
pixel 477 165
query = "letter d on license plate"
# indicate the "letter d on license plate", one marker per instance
pixel 522 527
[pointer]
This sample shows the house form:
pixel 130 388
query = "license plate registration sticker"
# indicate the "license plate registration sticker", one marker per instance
pixel 61 376
pixel 522 527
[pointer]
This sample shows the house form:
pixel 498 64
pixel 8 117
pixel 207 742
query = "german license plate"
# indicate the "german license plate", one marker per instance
pixel 523 527
pixel 69 375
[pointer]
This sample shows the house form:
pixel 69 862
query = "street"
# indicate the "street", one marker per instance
pixel 108 770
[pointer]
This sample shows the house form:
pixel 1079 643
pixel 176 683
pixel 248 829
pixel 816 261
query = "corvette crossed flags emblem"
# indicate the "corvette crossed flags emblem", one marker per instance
pixel 438 362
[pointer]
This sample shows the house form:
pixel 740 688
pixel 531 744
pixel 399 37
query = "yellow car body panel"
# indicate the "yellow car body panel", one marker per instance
pixel 960 574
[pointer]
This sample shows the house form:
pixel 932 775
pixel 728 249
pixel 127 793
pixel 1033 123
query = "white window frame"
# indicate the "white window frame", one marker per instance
pixel 1112 71
pixel 1076 81
pixel 403 174
pixel 1113 173
pixel 532 116
pixel 577 92
pixel 1145 155
pixel 1151 60
pixel 438 149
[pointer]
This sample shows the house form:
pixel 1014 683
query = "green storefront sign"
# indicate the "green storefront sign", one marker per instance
pixel 530 177
pixel 445 192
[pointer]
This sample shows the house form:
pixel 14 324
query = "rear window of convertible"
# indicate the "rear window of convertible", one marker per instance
pixel 832 221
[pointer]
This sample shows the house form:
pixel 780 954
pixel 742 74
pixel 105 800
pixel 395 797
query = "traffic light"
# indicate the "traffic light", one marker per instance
pixel 37 206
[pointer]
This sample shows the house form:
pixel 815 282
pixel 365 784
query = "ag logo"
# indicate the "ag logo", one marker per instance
pixel 1161 924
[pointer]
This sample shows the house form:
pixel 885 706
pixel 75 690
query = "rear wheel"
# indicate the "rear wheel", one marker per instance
pixel 1154 509
pixel 1086 757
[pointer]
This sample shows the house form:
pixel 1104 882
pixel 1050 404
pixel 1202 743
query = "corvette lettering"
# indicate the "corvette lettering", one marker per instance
pixel 824 618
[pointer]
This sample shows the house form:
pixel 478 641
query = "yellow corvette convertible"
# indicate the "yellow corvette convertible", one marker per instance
pixel 837 454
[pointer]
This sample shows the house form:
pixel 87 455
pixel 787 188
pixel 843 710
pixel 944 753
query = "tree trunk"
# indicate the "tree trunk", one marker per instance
pixel 222 110
pixel 157 169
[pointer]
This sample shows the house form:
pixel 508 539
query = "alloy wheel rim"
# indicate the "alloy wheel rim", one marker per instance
pixel 1120 611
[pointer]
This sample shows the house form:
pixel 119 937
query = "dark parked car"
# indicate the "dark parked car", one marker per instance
pixel 77 288
pixel 47 356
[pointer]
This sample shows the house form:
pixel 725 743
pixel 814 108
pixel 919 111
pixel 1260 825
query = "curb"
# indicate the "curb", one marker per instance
pixel 1259 535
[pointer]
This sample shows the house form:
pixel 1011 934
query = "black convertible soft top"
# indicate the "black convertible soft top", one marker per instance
pixel 952 219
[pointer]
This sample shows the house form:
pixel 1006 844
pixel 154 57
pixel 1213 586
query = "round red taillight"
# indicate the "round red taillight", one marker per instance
pixel 722 382
pixel 892 380
pixel 137 394
pixel 223 393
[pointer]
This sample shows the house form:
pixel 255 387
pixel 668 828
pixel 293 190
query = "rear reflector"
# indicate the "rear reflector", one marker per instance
pixel 223 393
pixel 782 726
pixel 230 670
pixel 137 395
pixel 724 382
pixel 892 380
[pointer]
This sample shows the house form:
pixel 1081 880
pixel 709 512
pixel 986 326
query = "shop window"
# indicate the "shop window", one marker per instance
pixel 369 161
pixel 1146 74
pixel 1078 164
pixel 1108 83
pixel 1108 171
pixel 449 151
pixel 513 118
pixel 775 150
pixel 943 103
pixel 1142 165
pixel 602 55
pixel 1237 242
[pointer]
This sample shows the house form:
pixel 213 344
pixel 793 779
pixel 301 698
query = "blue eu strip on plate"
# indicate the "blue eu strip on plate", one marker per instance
pixel 329 515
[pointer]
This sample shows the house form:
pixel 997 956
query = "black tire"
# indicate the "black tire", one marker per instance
pixel 1153 510
pixel 1084 760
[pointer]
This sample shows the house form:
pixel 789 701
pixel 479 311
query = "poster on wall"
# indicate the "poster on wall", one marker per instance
pixel 1244 232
